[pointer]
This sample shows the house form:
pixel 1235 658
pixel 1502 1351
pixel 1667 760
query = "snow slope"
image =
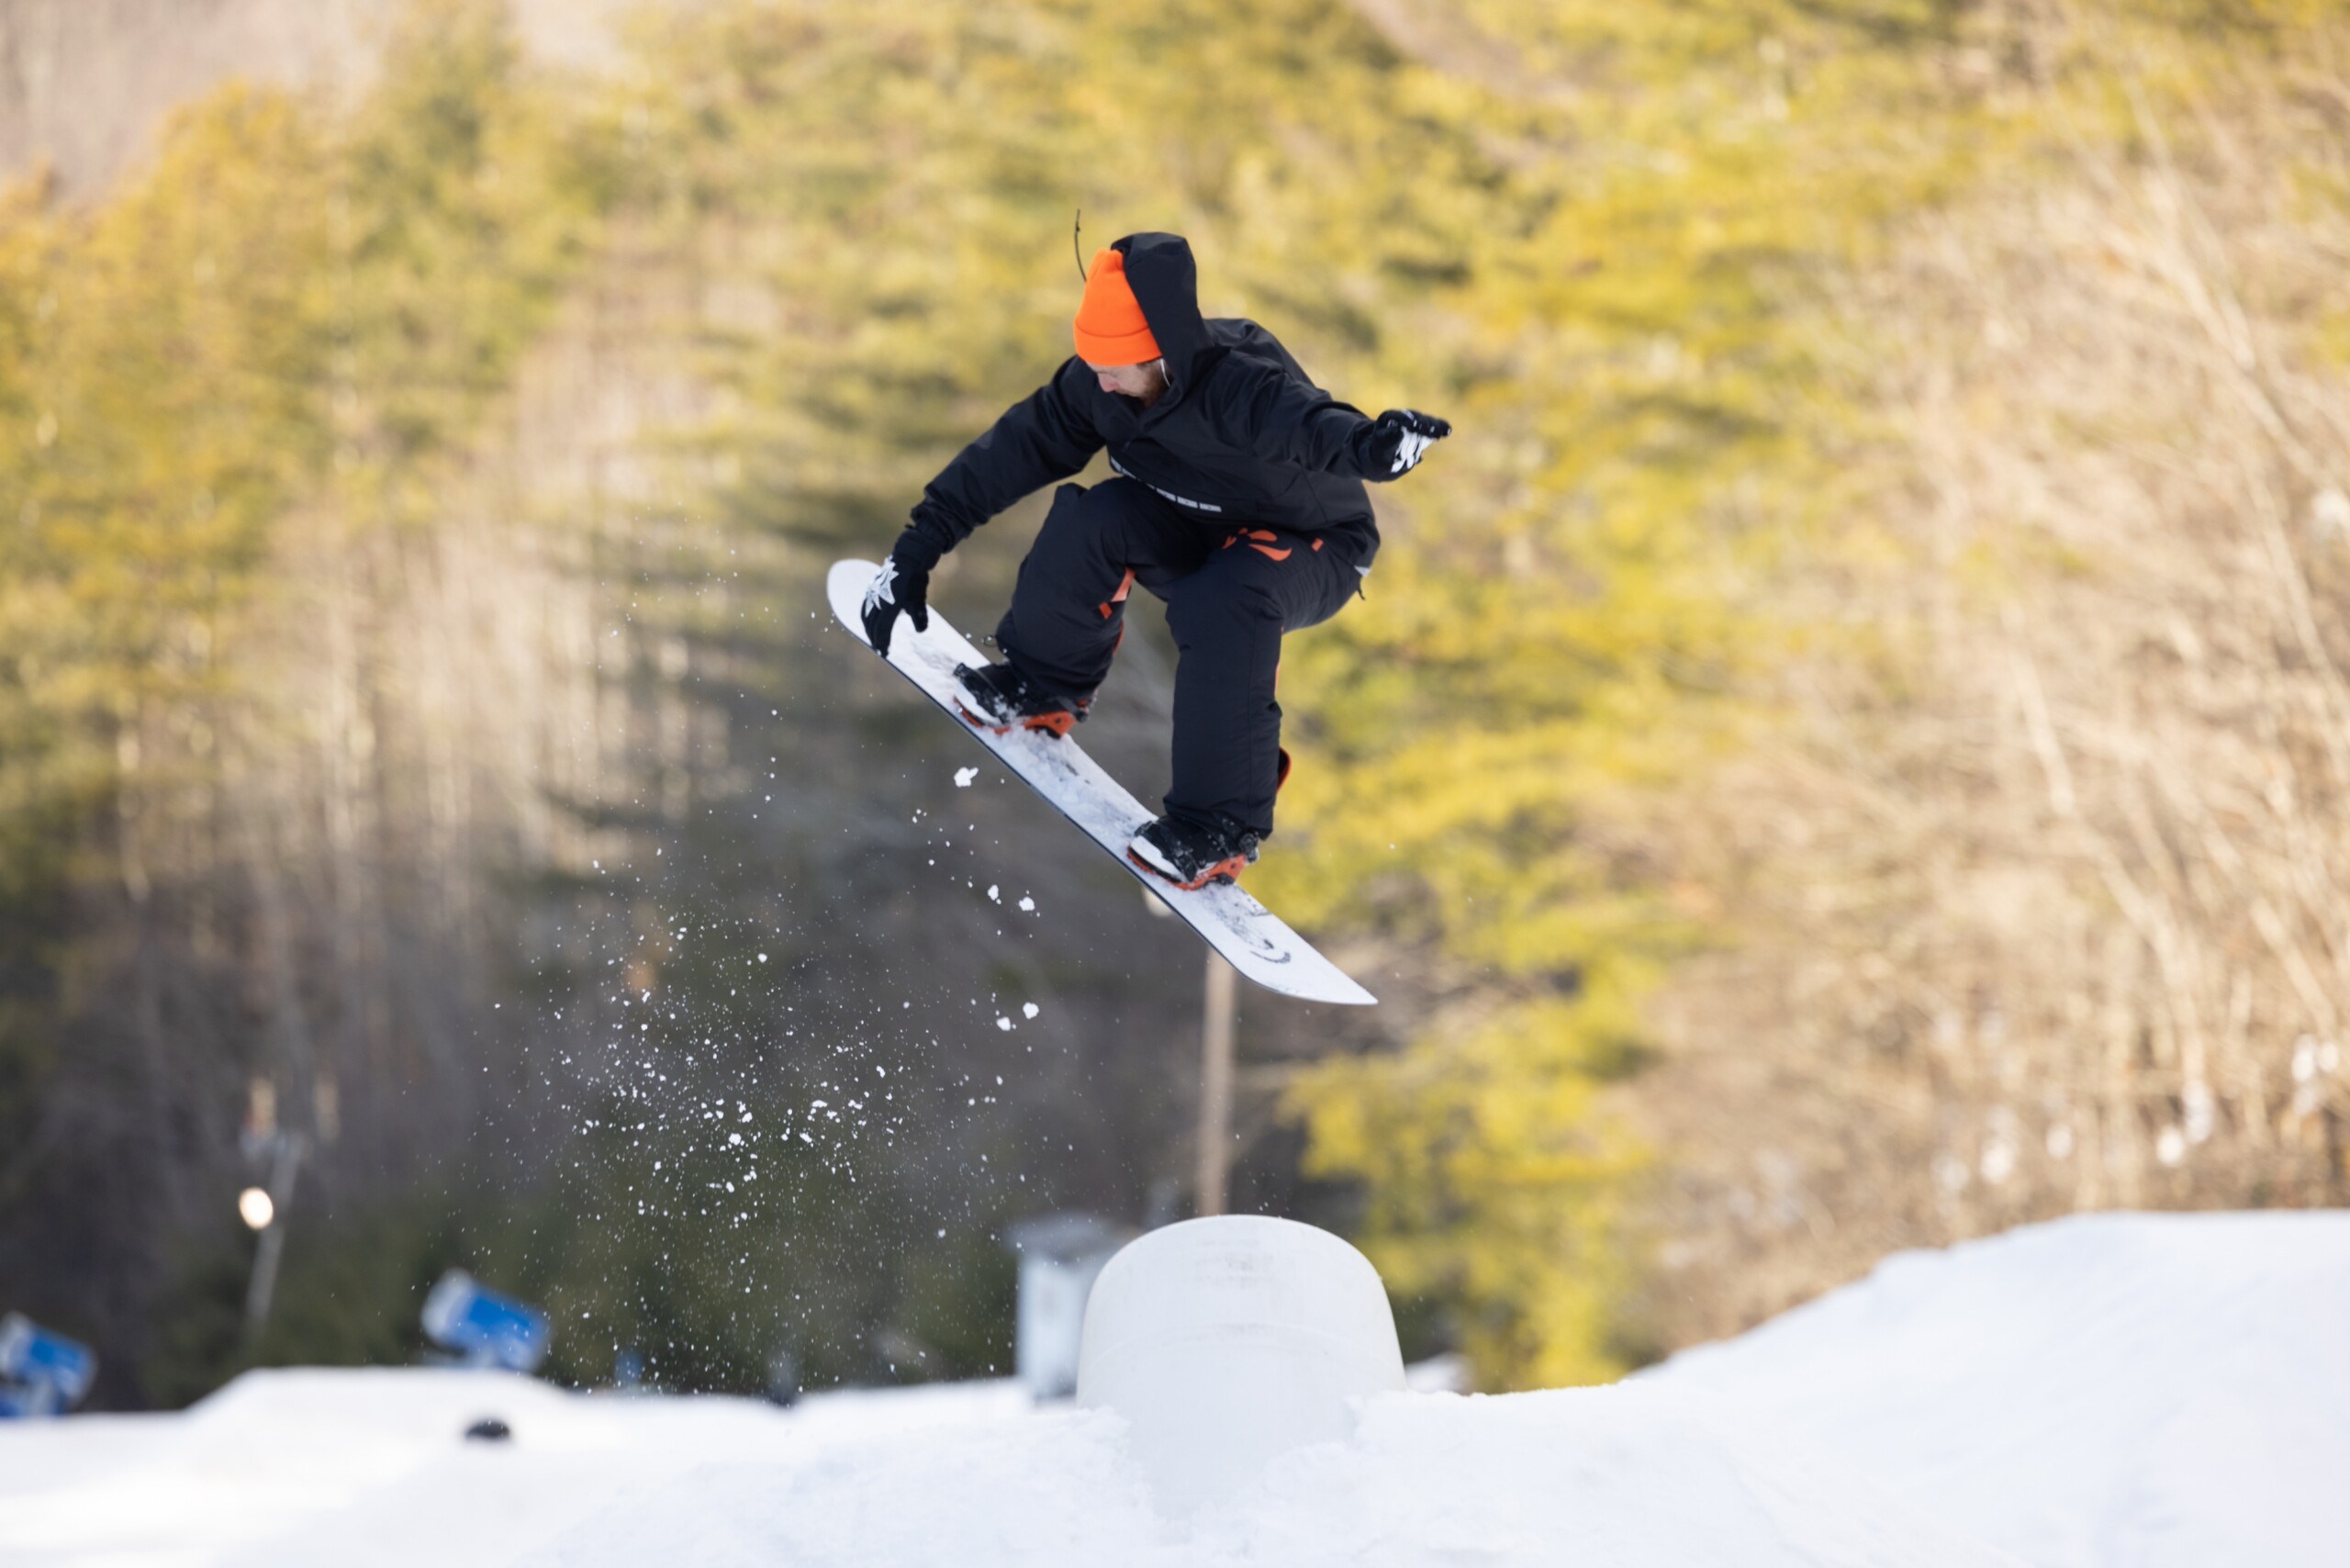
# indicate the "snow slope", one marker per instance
pixel 2159 1391
pixel 364 1467
pixel 1628 1475
pixel 2122 1389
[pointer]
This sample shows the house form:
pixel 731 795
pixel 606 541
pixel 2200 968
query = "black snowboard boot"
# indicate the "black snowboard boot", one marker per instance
pixel 1192 855
pixel 1000 698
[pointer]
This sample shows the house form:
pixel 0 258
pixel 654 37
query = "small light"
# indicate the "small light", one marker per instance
pixel 254 1206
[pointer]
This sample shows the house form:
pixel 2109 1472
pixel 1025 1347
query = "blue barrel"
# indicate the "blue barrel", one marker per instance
pixel 47 1369
pixel 484 1327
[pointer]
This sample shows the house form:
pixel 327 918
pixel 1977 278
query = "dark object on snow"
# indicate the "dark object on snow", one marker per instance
pixel 489 1429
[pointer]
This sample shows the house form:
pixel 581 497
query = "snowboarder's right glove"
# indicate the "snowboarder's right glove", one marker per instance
pixel 1394 443
pixel 902 583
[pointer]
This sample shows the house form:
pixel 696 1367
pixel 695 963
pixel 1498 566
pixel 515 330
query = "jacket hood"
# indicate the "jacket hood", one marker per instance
pixel 1167 286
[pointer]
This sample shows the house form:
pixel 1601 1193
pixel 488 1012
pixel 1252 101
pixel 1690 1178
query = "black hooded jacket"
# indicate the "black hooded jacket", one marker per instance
pixel 1240 436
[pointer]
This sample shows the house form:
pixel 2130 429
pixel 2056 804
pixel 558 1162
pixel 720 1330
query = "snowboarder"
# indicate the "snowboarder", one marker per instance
pixel 1238 499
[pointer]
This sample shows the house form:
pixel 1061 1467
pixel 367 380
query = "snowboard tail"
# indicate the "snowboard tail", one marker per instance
pixel 1252 938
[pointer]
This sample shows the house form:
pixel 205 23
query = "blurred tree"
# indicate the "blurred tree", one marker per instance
pixel 270 341
pixel 407 514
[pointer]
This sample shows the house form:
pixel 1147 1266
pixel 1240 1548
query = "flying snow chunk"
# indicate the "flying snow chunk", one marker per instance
pixel 1028 1010
pixel 963 777
pixel 994 895
pixel 1003 1022
pixel 1027 906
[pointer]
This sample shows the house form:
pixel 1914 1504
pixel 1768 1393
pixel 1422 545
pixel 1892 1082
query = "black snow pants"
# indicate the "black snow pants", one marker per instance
pixel 1231 590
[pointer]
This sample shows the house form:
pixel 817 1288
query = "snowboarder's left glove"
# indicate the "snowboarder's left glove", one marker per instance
pixel 902 583
pixel 1394 443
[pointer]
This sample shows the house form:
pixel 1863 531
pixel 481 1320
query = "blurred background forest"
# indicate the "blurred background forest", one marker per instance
pixel 1847 749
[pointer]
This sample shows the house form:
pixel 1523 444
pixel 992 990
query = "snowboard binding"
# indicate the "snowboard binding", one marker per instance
pixel 1192 855
pixel 999 699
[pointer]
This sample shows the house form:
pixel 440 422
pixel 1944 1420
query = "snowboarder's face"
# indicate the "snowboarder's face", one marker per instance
pixel 1143 382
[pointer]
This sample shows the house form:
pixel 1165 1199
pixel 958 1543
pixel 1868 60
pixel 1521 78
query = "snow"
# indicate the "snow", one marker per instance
pixel 2121 1390
pixel 364 1467
pixel 2154 1390
pixel 1603 1475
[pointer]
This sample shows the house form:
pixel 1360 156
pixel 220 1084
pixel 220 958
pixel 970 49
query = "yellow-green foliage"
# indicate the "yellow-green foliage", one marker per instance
pixel 1659 418
pixel 1589 233
pixel 1673 399
pixel 162 354
pixel 1595 236
pixel 1610 241
pixel 272 328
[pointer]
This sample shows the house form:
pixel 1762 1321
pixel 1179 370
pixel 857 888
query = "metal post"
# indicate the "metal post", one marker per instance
pixel 1215 1085
pixel 273 1236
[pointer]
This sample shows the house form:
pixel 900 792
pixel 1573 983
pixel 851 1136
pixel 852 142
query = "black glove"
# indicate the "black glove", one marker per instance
pixel 1393 443
pixel 902 583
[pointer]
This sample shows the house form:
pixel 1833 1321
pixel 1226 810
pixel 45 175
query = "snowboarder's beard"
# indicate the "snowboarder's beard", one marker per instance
pixel 1143 384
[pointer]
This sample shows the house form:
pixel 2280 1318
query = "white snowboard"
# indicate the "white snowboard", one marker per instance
pixel 1251 937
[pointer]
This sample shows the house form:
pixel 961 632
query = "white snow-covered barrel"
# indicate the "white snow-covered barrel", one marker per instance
pixel 1225 1343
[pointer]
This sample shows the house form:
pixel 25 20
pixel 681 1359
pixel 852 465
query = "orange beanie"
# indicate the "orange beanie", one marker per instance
pixel 1110 325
